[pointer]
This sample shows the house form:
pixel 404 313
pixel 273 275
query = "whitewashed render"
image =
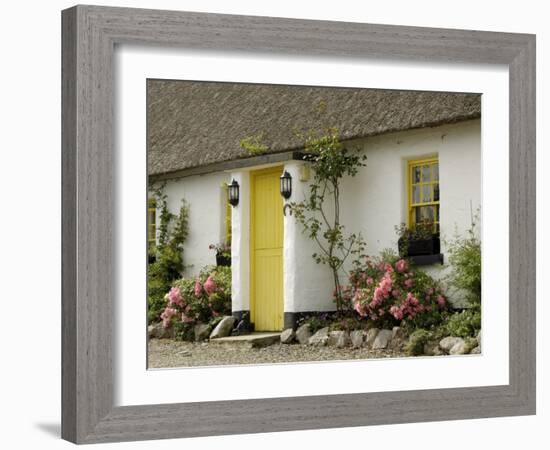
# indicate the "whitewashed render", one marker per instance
pixel 206 198
pixel 373 203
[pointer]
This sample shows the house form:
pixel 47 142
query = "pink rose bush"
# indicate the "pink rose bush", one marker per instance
pixel 200 300
pixel 392 292
pixel 210 285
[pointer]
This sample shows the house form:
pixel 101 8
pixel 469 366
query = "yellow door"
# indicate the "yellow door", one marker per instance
pixel 266 248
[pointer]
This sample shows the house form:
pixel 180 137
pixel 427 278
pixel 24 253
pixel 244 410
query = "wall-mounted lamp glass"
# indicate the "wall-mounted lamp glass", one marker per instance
pixel 233 193
pixel 286 185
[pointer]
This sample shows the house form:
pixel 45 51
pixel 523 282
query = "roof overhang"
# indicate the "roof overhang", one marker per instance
pixel 230 165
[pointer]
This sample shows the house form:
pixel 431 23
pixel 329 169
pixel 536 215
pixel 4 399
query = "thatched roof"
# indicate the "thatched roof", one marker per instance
pixel 192 123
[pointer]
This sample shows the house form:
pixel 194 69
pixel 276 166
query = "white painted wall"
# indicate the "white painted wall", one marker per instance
pixel 205 196
pixel 377 196
pixel 240 245
pixel 308 286
pixel 375 201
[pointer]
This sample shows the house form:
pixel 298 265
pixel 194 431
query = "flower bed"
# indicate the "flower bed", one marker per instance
pixel 390 291
pixel 203 300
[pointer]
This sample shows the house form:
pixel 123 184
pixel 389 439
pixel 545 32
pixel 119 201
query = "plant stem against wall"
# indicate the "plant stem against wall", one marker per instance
pixel 319 214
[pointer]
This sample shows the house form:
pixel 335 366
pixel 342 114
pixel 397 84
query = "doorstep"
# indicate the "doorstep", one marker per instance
pixel 258 339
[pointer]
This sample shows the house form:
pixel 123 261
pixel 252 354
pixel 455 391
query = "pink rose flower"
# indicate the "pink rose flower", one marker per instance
pixel 401 265
pixel 209 285
pixel 409 283
pixel 174 297
pixel 186 319
pixel 359 309
pixel 198 288
pixel 441 301
pixel 167 315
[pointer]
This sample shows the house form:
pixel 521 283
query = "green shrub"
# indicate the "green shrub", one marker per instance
pixel 464 324
pixel 184 331
pixel 417 340
pixel 156 290
pixel 349 323
pixel 465 260
pixel 316 322
pixel 254 145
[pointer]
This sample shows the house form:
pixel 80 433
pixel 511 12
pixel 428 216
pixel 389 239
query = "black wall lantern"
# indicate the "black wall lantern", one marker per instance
pixel 233 193
pixel 286 185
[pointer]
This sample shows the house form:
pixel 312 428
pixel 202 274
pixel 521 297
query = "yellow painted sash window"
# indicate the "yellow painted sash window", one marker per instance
pixel 424 193
pixel 151 222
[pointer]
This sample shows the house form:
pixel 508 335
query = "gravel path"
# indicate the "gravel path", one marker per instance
pixel 170 353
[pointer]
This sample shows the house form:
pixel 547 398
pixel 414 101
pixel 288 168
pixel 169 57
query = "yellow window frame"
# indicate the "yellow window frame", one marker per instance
pixel 227 216
pixel 412 164
pixel 151 221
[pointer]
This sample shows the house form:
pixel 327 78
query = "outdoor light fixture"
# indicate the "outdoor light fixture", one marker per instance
pixel 233 193
pixel 286 185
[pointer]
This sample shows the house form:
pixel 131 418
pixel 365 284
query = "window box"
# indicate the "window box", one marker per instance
pixel 223 260
pixel 426 260
pixel 419 247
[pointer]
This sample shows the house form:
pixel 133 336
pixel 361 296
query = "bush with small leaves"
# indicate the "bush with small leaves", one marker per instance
pixel 464 324
pixel 417 340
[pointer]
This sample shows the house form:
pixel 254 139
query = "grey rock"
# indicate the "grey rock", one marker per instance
pixel 287 336
pixel 223 328
pixel 476 351
pixel 320 338
pixel 383 339
pixel 447 343
pixel 202 330
pixel 356 338
pixel 398 338
pixel 158 331
pixel 397 332
pixel 371 336
pixel 303 334
pixel 431 348
pixel 459 348
pixel 339 339
pixel 478 338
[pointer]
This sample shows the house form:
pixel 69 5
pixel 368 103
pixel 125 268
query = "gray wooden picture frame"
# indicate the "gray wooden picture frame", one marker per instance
pixel 89 37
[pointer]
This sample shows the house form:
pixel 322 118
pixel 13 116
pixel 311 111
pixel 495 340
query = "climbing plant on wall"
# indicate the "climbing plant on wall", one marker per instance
pixel 168 265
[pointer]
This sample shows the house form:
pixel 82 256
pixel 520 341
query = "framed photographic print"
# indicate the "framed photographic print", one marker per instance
pixel 315 224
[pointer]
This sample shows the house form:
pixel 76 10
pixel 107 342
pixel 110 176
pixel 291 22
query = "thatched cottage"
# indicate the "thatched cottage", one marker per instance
pixel 424 161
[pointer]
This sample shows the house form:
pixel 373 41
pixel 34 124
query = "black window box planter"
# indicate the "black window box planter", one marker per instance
pixel 426 260
pixel 223 260
pixel 420 248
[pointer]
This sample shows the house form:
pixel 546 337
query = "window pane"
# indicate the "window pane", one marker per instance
pixel 435 172
pixel 416 174
pixel 416 194
pixel 424 214
pixel 427 193
pixel 436 192
pixel 426 174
